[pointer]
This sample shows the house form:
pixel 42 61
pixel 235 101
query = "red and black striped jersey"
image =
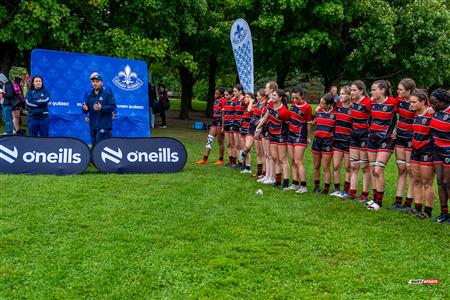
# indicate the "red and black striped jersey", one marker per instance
pixel 384 116
pixel 228 112
pixel 300 114
pixel 278 119
pixel 218 107
pixel 361 113
pixel 440 128
pixel 343 128
pixel 246 120
pixel 257 113
pixel 239 108
pixel 421 130
pixel 326 122
pixel 405 115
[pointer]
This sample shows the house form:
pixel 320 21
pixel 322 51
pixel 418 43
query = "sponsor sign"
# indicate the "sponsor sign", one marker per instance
pixel 139 155
pixel 241 41
pixel 43 155
pixel 66 77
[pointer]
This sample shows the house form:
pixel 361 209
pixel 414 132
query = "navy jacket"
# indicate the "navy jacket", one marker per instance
pixel 100 119
pixel 37 101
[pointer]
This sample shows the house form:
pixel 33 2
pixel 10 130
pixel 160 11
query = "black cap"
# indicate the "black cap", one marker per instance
pixel 97 76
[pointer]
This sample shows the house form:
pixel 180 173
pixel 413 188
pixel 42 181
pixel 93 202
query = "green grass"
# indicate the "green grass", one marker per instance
pixel 197 105
pixel 202 233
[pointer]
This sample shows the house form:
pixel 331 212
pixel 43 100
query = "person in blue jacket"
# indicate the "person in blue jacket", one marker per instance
pixel 100 104
pixel 37 100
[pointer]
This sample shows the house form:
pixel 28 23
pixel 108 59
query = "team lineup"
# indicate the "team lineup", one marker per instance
pixel 357 132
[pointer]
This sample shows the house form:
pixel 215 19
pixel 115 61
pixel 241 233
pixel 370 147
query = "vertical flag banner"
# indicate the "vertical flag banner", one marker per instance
pixel 66 77
pixel 241 41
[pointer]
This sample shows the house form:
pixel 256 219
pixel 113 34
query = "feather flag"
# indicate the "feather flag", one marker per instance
pixel 241 41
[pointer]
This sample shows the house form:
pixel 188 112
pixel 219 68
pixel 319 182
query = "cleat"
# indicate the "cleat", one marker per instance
pixel 441 218
pixel 316 190
pixel 325 192
pixel 201 162
pixel 262 179
pixel 349 197
pixel 302 190
pixel 362 198
pixel 246 171
pixel 336 193
pixel 374 207
pixel 219 163
pixel 269 181
pixel 293 187
pixel 423 215
pixel 396 206
pixel 342 194
pixel 369 203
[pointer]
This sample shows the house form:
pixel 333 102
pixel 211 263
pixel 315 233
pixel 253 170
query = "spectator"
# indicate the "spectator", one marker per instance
pixel 151 103
pixel 333 92
pixel 18 105
pixel 8 99
pixel 164 104
pixel 37 100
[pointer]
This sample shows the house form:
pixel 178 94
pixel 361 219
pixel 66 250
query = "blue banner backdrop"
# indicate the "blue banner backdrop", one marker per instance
pixel 66 77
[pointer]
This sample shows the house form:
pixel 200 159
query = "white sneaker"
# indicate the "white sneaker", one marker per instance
pixel 262 179
pixel 374 206
pixel 269 181
pixel 293 187
pixel 336 193
pixel 246 171
pixel 369 203
pixel 302 190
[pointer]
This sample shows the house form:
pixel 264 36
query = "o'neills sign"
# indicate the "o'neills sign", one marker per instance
pixel 139 155
pixel 43 155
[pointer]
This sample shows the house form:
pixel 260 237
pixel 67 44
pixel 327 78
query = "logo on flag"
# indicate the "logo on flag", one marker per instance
pixel 241 41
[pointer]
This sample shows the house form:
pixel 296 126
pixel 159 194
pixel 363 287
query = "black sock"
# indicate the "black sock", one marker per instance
pixel 205 157
pixel 221 158
pixel 337 186
pixel 399 199
pixel 418 207
pixel 428 210
pixel 316 184
pixel 346 186
pixel 285 182
pixel 408 201
pixel 248 167
pixel 326 187
pixel 278 179
pixel 303 183
pixel 260 166
pixel 379 199
pixel 295 182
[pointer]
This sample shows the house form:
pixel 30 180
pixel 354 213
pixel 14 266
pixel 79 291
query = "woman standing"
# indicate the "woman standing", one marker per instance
pixel 37 100
pixel 278 120
pixel 360 112
pixel 440 130
pixel 341 142
pixel 164 104
pixel 381 138
pixel 247 132
pixel 19 105
pixel 323 140
pixel 403 142
pixel 422 155
pixel 228 125
pixel 299 129
pixel 239 109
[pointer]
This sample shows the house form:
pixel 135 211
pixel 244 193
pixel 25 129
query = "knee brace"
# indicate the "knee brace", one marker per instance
pixel 354 160
pixel 401 161
pixel 380 164
pixel 209 141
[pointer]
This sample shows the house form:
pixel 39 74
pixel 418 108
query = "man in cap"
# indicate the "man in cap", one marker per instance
pixel 99 104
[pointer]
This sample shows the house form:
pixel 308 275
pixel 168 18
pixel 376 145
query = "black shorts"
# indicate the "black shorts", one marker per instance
pixel 297 139
pixel 358 139
pixel 322 145
pixel 252 129
pixel 279 139
pixel 217 123
pixel 422 156
pixel 403 140
pixel 228 128
pixel 341 145
pixel 441 156
pixel 376 143
pixel 265 132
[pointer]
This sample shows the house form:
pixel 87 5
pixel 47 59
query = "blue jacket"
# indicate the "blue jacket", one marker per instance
pixel 100 119
pixel 37 101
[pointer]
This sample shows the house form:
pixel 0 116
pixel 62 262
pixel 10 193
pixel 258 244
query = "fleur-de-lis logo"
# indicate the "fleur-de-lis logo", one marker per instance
pixel 127 75
pixel 239 34
pixel 128 80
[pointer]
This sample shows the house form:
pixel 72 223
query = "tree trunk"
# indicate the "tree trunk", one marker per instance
pixel 211 84
pixel 186 79
pixel 282 73
pixel 8 53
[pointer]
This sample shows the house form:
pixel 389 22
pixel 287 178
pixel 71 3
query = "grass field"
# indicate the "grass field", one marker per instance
pixel 202 233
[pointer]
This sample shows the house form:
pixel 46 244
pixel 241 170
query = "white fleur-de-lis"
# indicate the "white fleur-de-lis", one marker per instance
pixel 127 75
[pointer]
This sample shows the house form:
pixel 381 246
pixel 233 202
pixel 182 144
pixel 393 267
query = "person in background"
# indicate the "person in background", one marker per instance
pixel 18 105
pixel 100 105
pixel 334 93
pixel 8 99
pixel 151 103
pixel 37 100
pixel 163 104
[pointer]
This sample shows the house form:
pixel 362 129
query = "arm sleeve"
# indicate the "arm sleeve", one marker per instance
pixel 111 105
